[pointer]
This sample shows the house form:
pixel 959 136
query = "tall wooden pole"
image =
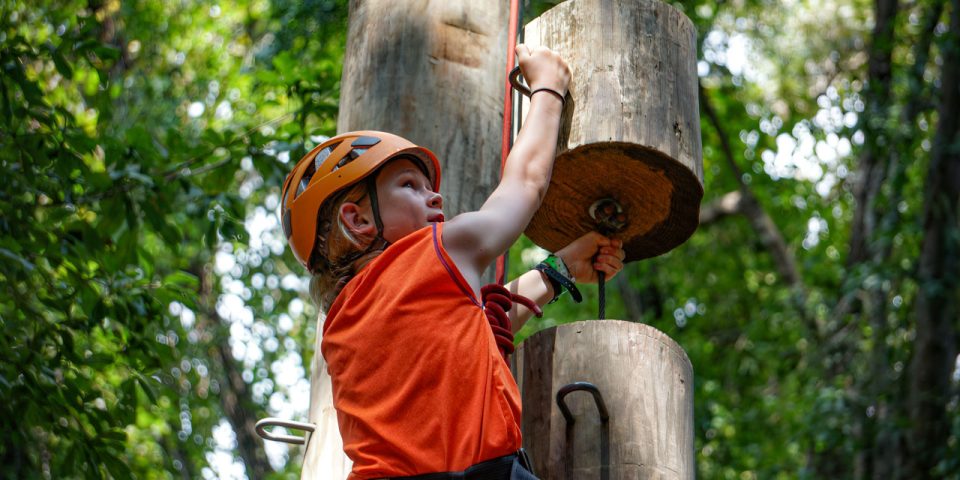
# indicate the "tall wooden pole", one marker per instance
pixel 431 71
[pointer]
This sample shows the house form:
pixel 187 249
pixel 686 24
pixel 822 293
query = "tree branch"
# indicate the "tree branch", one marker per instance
pixel 763 225
pixel 729 204
pixel 236 397
pixel 183 167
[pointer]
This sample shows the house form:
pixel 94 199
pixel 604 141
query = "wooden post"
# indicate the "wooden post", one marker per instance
pixel 646 381
pixel 631 126
pixel 431 71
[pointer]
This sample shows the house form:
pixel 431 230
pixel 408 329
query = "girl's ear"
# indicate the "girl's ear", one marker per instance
pixel 357 220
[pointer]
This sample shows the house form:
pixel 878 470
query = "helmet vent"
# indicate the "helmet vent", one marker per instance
pixel 350 156
pixel 322 155
pixel 287 224
pixel 303 183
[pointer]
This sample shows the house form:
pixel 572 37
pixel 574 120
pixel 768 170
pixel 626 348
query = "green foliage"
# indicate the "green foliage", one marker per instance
pixel 146 287
pixel 787 389
pixel 133 153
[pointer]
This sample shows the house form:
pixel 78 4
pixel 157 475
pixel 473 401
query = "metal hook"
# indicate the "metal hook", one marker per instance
pixel 517 84
pixel 277 422
pixel 610 218
pixel 609 215
pixel 604 420
pixel 585 386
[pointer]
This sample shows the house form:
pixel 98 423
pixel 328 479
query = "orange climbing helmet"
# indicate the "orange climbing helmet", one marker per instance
pixel 334 165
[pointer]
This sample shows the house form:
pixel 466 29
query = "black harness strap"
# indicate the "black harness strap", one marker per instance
pixel 515 466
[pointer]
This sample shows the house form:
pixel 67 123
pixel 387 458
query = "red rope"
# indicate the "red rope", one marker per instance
pixel 508 113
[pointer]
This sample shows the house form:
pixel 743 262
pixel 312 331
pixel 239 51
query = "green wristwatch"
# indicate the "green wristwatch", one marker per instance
pixel 557 264
pixel 559 277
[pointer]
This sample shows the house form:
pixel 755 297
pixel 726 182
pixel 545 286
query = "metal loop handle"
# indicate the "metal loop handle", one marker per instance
pixel 278 422
pixel 518 84
pixel 604 420
pixel 585 386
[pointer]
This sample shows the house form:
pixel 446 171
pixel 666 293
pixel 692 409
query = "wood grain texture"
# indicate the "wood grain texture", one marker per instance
pixel 646 381
pixel 631 126
pixel 431 71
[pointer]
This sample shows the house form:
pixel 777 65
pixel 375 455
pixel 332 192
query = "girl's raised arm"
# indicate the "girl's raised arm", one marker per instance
pixel 475 239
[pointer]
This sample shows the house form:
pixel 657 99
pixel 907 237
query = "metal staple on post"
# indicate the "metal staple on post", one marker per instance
pixel 277 422
pixel 604 420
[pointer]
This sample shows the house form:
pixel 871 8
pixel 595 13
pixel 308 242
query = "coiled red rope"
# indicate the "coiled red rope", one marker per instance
pixel 497 303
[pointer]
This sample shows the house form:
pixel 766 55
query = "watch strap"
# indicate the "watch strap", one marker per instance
pixel 555 276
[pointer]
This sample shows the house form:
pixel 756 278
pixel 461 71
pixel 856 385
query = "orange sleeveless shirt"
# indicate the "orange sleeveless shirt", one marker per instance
pixel 418 383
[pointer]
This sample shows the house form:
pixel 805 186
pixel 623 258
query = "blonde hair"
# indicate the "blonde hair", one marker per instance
pixel 338 254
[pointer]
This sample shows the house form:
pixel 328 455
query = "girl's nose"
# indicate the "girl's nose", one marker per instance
pixel 436 200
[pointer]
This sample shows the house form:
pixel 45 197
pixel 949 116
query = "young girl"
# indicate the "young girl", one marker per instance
pixel 419 379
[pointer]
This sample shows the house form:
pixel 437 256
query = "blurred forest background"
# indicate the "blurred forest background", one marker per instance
pixel 151 313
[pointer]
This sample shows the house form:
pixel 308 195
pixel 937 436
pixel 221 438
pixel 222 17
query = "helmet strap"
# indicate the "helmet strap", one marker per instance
pixel 375 206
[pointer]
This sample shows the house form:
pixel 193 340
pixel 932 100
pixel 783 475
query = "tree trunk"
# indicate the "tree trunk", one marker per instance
pixel 237 402
pixel 236 398
pixel 938 296
pixel 431 71
pixel 871 169
pixel 646 382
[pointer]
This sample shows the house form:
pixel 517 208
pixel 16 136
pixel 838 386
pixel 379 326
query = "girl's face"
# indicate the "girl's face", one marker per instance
pixel 406 199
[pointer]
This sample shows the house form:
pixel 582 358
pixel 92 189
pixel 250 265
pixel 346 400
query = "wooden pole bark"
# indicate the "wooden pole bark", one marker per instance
pixel 431 71
pixel 324 457
pixel 646 381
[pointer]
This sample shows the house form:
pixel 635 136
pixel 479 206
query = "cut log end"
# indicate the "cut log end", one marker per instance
pixel 660 198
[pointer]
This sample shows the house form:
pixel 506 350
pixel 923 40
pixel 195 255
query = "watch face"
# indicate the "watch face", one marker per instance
pixel 558 265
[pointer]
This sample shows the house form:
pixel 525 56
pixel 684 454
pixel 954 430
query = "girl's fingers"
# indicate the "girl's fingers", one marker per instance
pixel 608 264
pixel 609 271
pixel 523 51
pixel 616 252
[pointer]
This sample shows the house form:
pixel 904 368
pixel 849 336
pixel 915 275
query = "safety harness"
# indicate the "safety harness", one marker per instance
pixel 515 466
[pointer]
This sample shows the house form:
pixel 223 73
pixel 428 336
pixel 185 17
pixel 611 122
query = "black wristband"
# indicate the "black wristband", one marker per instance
pixel 563 101
pixel 557 280
pixel 554 284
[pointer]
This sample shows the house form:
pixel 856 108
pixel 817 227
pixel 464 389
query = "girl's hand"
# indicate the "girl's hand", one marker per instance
pixel 543 68
pixel 591 253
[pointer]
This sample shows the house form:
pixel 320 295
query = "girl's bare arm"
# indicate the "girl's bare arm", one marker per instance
pixel 475 239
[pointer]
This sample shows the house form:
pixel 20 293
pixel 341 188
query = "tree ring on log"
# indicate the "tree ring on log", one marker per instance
pixel 661 198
